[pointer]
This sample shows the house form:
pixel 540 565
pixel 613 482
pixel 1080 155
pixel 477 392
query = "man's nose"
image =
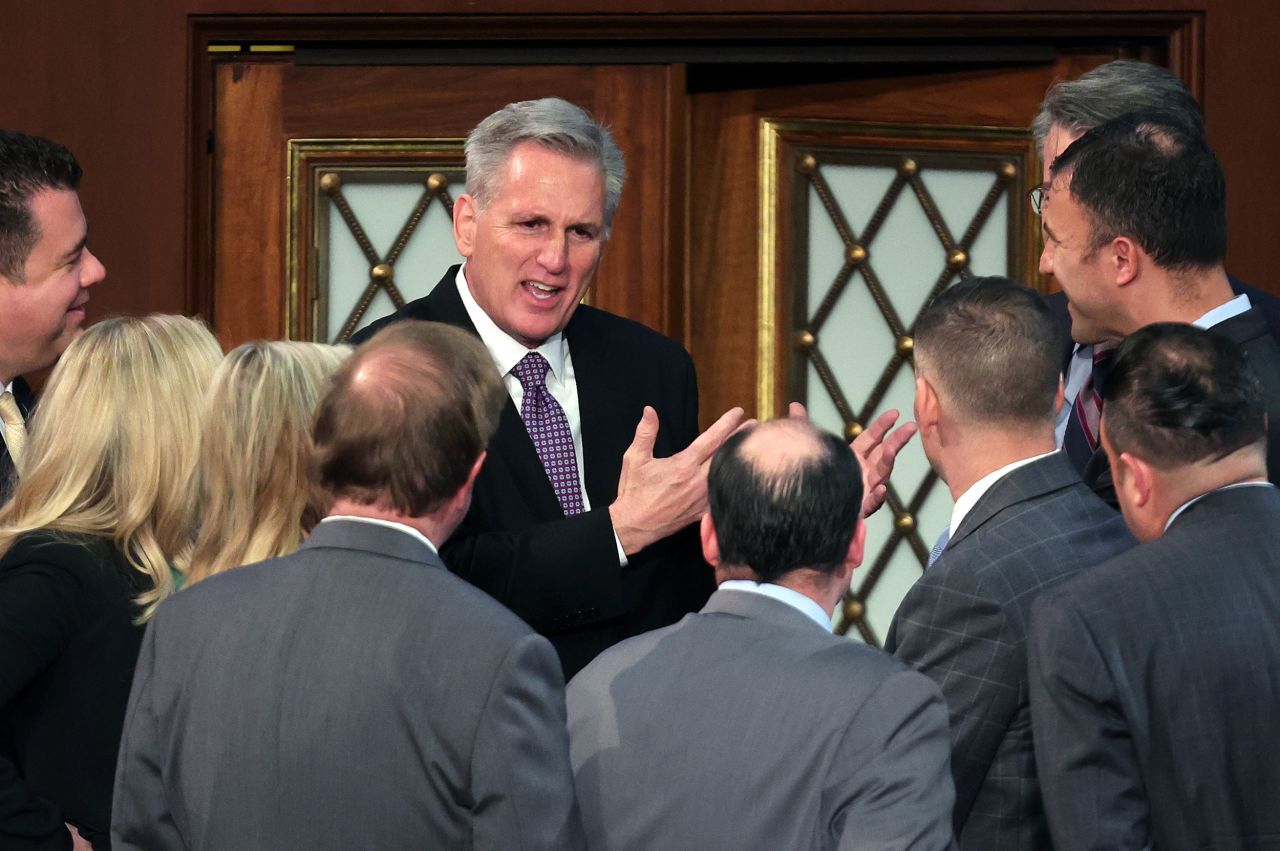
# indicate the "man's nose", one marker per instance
pixel 91 270
pixel 555 253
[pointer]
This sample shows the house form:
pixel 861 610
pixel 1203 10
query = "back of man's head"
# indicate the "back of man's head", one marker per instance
pixel 1150 177
pixel 1110 91
pixel 992 349
pixel 784 495
pixel 1178 395
pixel 28 164
pixel 407 417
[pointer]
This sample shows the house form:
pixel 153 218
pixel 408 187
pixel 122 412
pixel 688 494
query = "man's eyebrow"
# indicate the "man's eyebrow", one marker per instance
pixel 75 251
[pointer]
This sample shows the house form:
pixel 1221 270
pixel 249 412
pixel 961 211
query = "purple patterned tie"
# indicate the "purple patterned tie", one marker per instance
pixel 548 427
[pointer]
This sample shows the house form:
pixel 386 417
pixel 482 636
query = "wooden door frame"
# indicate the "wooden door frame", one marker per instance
pixel 1175 37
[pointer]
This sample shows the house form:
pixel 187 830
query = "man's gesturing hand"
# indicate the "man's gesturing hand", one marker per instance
pixel 876 450
pixel 657 496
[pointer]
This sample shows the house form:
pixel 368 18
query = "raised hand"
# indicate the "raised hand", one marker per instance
pixel 657 496
pixel 876 450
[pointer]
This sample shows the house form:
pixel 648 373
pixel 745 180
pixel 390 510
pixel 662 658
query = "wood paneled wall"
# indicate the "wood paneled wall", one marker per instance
pixel 112 80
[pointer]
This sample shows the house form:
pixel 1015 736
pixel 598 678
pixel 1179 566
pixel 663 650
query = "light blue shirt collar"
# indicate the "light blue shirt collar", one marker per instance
pixel 794 599
pixel 1238 305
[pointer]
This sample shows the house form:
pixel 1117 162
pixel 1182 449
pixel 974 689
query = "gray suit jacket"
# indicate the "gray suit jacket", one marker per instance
pixel 1155 687
pixel 964 624
pixel 746 726
pixel 354 694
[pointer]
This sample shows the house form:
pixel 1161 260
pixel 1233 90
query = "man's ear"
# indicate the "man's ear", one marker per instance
pixel 464 224
pixel 1060 398
pixel 857 545
pixel 710 544
pixel 1137 477
pixel 463 496
pixel 1126 260
pixel 927 409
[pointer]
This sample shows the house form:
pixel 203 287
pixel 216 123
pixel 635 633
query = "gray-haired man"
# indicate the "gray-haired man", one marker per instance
pixel 583 516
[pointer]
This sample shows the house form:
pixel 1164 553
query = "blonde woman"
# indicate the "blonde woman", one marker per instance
pixel 103 509
pixel 253 457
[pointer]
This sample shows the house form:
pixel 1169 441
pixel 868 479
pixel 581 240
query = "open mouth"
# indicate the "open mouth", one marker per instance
pixel 541 291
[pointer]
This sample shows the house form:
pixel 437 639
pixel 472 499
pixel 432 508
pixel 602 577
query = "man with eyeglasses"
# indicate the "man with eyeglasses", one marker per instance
pixel 1069 109
pixel 1134 224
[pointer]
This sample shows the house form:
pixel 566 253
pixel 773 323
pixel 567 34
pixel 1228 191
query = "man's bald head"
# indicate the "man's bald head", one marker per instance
pixel 784 496
pixel 407 417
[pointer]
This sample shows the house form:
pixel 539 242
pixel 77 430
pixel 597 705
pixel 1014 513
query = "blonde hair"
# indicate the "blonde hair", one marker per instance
pixel 113 442
pixel 255 453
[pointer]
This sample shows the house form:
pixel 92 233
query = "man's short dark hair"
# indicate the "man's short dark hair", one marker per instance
pixel 407 417
pixel 778 515
pixel 1111 90
pixel 1178 394
pixel 1150 177
pixel 994 349
pixel 28 164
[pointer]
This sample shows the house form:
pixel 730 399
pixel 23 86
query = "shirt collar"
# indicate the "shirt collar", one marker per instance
pixel 1238 305
pixel 390 524
pixel 970 497
pixel 505 350
pixel 794 599
pixel 1181 508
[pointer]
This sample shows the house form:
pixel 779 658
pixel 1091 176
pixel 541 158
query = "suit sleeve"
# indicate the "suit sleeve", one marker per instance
pixel 891 787
pixel 140 815
pixel 1085 759
pixel 565 573
pixel 521 781
pixel 964 641
pixel 39 613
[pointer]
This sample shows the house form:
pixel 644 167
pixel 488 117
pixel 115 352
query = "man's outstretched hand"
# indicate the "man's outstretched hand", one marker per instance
pixel 657 496
pixel 876 450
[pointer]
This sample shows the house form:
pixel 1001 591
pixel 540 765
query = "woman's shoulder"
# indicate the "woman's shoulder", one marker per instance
pixel 47 548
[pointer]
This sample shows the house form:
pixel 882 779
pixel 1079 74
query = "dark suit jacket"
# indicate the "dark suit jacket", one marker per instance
pixel 558 573
pixel 964 623
pixel 748 726
pixel 1155 687
pixel 351 695
pixel 26 402
pixel 67 650
pixel 1256 332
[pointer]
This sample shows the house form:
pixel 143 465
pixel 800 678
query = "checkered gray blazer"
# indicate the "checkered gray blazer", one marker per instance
pixel 964 623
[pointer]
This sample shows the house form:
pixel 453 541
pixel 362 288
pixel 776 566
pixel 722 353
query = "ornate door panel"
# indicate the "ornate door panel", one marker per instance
pixel 826 209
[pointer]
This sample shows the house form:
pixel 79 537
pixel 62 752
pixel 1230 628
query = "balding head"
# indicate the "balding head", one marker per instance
pixel 407 418
pixel 784 496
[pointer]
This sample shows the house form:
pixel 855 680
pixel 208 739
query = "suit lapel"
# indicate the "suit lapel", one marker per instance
pixel 601 408
pixel 1034 480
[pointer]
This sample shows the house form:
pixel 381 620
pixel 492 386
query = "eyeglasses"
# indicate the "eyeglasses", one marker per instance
pixel 1037 198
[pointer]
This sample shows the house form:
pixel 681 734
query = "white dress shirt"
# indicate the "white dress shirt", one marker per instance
pixel 8 388
pixel 390 524
pixel 970 497
pixel 794 599
pixel 562 384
